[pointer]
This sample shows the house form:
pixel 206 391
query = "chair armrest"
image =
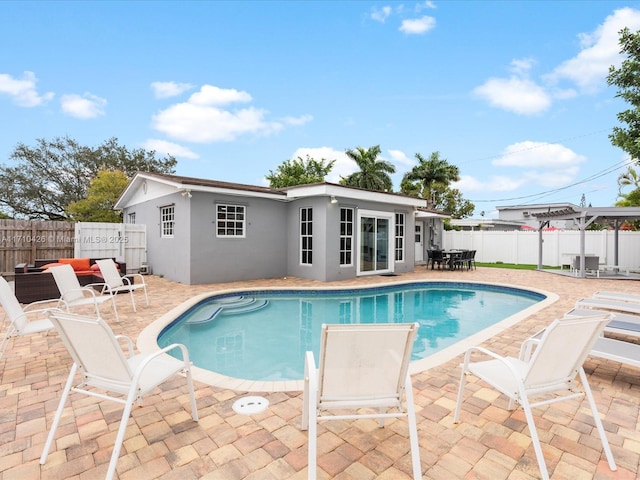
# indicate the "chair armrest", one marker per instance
pixel 83 290
pixel 129 343
pixel 134 275
pixel 495 356
pixel 145 363
pixel 27 308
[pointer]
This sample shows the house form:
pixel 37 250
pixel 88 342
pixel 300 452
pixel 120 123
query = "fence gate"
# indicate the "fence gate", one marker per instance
pixel 123 241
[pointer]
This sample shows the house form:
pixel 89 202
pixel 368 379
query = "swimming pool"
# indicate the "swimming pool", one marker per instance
pixel 261 335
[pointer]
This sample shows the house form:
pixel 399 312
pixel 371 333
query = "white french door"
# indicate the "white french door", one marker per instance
pixel 374 242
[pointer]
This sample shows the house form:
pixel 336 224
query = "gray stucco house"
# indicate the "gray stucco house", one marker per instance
pixel 206 231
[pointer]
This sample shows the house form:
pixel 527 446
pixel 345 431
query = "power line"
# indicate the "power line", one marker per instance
pixel 595 176
pixel 536 146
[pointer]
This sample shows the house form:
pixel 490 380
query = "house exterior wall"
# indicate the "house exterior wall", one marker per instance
pixel 262 253
pixel 319 238
pixel 169 257
pixel 271 246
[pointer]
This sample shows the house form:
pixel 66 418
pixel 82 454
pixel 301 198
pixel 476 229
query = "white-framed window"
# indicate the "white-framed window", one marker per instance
pixel 346 236
pixel 306 236
pixel 167 221
pixel 131 217
pixel 231 220
pixel 399 239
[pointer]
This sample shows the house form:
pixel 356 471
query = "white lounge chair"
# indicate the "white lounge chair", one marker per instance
pixel 103 367
pixel 361 366
pixel 72 294
pixel 19 317
pixel 622 297
pixel 115 283
pixel 550 371
pixel 609 304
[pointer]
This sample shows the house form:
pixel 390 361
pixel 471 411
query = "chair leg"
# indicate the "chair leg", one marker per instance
pixel 122 429
pixel 310 413
pixel 598 421
pixel 146 297
pixel 115 310
pixel 413 430
pixel 192 393
pixel 534 437
pixel 133 300
pixel 6 339
pixel 56 419
pixel 463 379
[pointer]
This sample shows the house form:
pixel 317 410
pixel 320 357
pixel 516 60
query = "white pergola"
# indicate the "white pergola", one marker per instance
pixel 584 217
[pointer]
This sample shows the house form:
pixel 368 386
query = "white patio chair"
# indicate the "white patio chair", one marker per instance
pixel 72 294
pixel 115 283
pixel 103 367
pixel 558 355
pixel 19 317
pixel 361 366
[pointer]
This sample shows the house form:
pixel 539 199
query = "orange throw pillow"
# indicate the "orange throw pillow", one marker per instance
pixel 78 264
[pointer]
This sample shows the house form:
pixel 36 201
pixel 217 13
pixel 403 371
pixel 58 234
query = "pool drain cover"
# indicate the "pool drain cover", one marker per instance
pixel 250 405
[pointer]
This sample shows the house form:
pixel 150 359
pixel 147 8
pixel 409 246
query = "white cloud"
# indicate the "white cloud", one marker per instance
pixel 600 49
pixel 23 91
pixel 540 155
pixel 83 106
pixel 418 26
pixel 533 164
pixel 169 89
pixel 343 167
pixel 169 148
pixel 398 156
pixel 518 95
pixel 586 71
pixel 381 14
pixel 297 121
pixel 496 183
pixel 212 95
pixel 202 119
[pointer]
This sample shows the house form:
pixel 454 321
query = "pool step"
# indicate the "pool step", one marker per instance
pixel 246 307
pixel 226 306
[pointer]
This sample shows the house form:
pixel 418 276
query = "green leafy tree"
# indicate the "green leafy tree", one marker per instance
pixel 46 178
pixel 431 179
pixel 627 79
pixel 455 204
pixel 102 194
pixel 300 172
pixel 373 173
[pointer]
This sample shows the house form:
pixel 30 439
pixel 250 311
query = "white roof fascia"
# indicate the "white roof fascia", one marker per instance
pixel 420 214
pixel 318 190
pixel 131 192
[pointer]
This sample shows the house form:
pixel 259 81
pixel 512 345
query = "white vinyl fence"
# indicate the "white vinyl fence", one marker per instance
pixel 522 247
pixel 123 241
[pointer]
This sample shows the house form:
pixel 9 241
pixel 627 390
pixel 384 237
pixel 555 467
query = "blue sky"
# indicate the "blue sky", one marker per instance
pixel 513 93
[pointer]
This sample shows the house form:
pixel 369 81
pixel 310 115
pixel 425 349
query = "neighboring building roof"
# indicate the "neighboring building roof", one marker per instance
pixel 191 184
pixel 485 223
pixel 538 206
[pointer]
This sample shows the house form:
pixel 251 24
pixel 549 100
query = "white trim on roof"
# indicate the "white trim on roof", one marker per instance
pixel 329 190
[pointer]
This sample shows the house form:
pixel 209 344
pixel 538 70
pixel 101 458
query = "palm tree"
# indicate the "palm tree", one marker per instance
pixel 373 174
pixel 630 177
pixel 432 176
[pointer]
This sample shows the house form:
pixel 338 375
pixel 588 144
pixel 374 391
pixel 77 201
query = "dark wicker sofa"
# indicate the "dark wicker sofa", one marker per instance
pixel 34 283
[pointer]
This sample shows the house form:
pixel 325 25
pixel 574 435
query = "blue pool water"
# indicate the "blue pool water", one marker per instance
pixel 263 335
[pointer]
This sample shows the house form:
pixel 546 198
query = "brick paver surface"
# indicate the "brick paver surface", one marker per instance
pixel 162 442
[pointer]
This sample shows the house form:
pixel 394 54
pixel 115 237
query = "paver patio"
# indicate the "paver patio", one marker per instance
pixel 162 442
